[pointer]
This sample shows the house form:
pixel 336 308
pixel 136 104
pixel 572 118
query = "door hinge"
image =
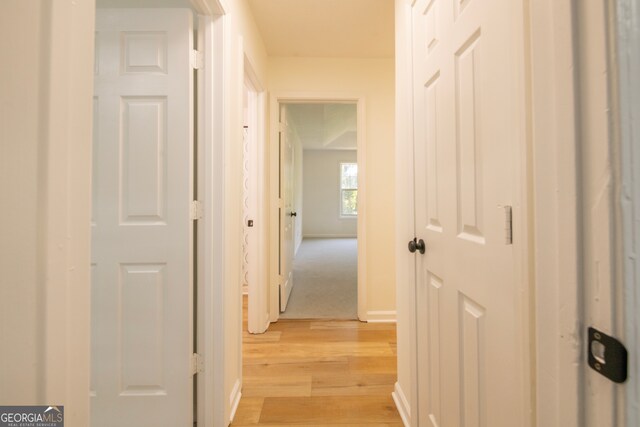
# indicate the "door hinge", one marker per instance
pixel 197 364
pixel 607 356
pixel 196 60
pixel 508 225
pixel 281 127
pixel 196 210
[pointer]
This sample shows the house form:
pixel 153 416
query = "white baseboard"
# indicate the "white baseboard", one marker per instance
pixel 234 399
pixel 330 236
pixel 402 404
pixel 381 316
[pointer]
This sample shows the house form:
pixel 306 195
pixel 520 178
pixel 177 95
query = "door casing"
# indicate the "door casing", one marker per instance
pixel 257 312
pixel 274 170
pixel 212 97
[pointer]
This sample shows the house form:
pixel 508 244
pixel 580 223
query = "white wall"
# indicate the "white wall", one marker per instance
pixel 241 39
pixel 374 80
pixel 298 194
pixel 321 190
pixel 45 178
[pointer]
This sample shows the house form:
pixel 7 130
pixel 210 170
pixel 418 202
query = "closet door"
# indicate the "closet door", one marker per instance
pixel 142 301
pixel 469 111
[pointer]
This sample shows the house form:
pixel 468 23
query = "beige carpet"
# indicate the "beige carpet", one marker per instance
pixel 325 280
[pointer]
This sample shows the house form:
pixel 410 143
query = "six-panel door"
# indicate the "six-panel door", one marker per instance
pixel 142 318
pixel 469 102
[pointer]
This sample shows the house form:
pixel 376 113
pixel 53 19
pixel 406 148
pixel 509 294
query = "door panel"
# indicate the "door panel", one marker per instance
pixel 142 330
pixel 287 227
pixel 468 114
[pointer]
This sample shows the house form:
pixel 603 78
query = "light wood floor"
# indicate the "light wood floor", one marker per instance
pixel 319 373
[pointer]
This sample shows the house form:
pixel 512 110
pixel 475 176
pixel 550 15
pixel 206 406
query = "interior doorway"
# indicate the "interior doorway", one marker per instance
pixel 325 137
pixel 320 193
pixel 255 224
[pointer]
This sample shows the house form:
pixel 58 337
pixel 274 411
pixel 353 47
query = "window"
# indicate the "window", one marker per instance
pixel 349 189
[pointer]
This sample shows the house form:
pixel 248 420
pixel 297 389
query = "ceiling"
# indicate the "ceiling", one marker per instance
pixel 326 28
pixel 324 126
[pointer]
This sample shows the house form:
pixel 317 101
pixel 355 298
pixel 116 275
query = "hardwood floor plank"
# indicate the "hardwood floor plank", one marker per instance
pixel 318 373
pixel 352 324
pixel 369 364
pixel 249 410
pixel 354 384
pixel 294 367
pixel 284 325
pixel 319 349
pixel 329 409
pixel 274 359
pixel 269 336
pixel 338 335
pixel 276 386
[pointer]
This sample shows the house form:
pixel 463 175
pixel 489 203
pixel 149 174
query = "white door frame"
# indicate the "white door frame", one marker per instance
pixel 274 170
pixel 554 158
pixel 257 312
pixel 211 134
pixel 405 394
pixel 628 38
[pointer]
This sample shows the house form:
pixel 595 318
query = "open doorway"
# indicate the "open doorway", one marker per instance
pixel 319 218
pixel 254 215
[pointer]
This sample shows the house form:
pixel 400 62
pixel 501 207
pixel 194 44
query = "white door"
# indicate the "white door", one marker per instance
pixel 468 91
pixel 287 215
pixel 142 317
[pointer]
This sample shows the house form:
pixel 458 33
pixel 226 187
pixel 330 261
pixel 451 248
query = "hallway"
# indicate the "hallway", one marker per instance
pixel 498 205
pixel 316 373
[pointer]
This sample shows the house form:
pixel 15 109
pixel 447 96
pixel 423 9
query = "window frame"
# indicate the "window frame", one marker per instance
pixel 341 190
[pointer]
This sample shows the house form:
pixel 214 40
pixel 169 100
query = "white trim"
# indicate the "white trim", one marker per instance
pixel 405 210
pixel 341 214
pixel 557 350
pixel 402 405
pixel 330 236
pixel 257 311
pixel 201 7
pixel 387 316
pixel 628 162
pixel 313 97
pixel 234 399
pixel 211 187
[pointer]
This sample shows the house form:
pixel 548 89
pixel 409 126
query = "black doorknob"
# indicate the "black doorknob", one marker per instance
pixel 294 213
pixel 418 245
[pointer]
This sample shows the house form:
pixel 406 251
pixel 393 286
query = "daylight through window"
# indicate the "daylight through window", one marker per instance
pixel 348 189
